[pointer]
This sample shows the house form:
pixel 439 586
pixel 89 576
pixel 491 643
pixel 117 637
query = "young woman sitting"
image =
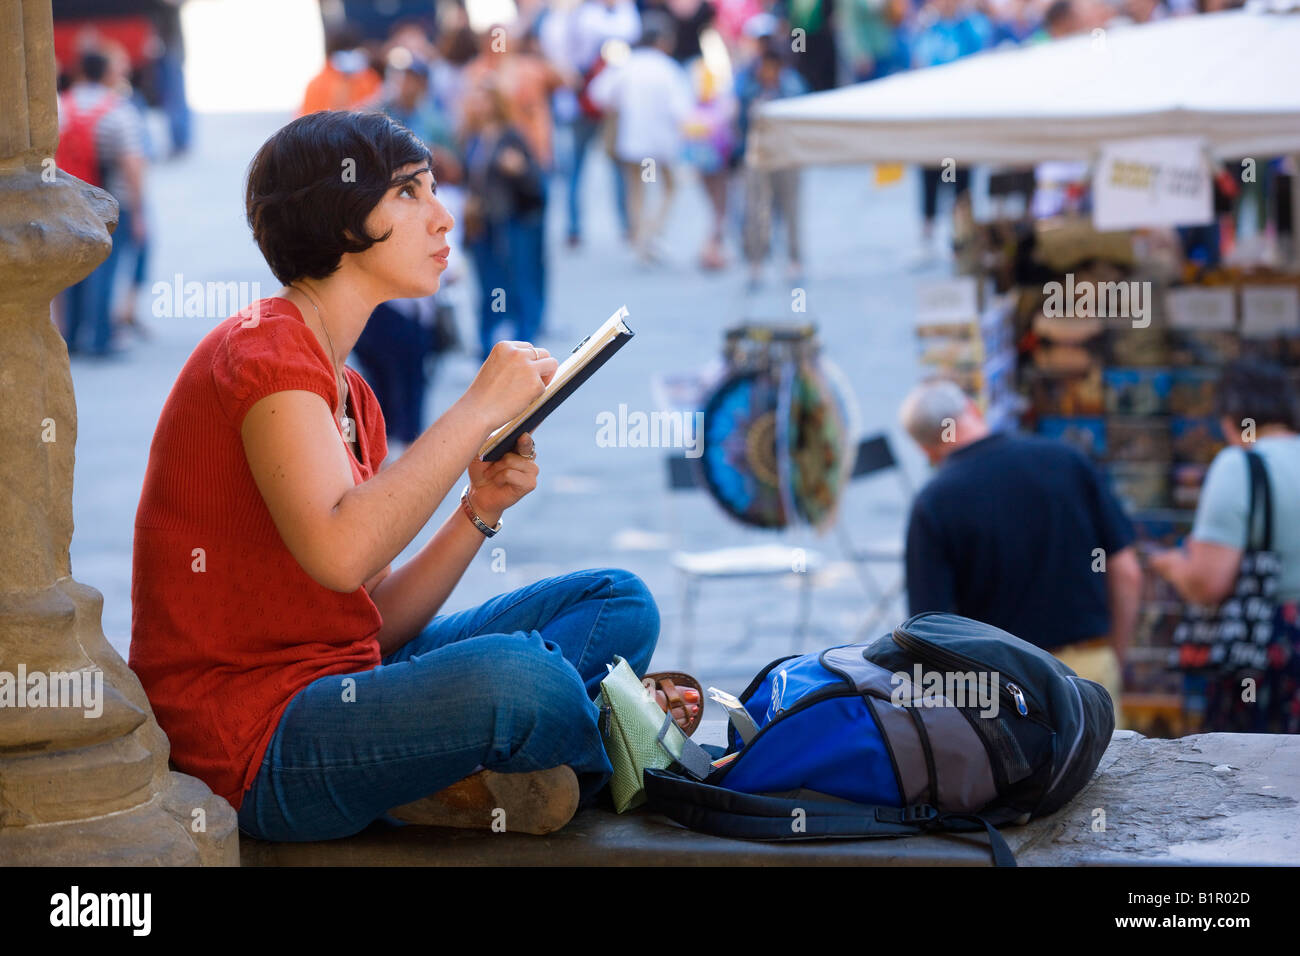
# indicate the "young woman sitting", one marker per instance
pixel 294 669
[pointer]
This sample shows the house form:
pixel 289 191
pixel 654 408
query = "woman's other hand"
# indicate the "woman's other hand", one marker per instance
pixel 496 485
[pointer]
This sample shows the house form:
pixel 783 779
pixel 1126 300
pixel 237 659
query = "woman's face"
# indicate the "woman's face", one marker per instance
pixel 412 260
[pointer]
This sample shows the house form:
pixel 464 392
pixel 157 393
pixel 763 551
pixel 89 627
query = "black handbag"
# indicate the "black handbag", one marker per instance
pixel 1235 635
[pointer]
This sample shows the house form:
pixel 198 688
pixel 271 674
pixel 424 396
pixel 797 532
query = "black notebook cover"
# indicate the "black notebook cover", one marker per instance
pixel 507 440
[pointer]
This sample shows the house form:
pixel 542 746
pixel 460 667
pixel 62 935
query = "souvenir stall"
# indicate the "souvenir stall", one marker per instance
pixel 1136 392
pixel 1102 314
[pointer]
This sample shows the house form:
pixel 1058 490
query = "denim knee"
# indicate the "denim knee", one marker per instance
pixel 639 631
pixel 537 697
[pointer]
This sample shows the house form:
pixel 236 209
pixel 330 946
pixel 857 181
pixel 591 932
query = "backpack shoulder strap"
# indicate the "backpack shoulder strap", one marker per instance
pixel 748 816
pixel 106 104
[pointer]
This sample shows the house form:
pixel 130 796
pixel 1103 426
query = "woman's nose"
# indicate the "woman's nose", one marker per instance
pixel 442 220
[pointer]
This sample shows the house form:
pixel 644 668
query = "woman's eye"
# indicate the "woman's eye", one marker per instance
pixel 407 190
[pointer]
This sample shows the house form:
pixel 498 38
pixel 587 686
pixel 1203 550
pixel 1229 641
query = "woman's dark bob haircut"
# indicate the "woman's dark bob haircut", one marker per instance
pixel 1259 390
pixel 312 185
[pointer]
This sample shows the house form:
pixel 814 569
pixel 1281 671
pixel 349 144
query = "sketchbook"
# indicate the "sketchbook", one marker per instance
pixel 587 356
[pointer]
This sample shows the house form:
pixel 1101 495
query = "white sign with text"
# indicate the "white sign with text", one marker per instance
pixel 1268 310
pixel 947 300
pixel 1161 181
pixel 1202 309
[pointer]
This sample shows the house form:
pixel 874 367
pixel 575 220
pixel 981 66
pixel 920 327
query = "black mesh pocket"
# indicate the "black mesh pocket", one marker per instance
pixel 1010 765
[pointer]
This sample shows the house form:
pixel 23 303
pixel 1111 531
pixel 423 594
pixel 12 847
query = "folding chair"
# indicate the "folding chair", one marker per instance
pixel 761 561
pixel 875 456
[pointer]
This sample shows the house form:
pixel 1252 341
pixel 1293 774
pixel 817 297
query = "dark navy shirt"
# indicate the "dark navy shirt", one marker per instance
pixel 1005 533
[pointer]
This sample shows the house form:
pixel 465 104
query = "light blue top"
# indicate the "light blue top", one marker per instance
pixel 1225 499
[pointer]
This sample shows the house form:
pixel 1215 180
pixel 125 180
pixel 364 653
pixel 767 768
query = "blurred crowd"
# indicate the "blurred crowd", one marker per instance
pixel 513 110
pixel 114 66
pixel 104 140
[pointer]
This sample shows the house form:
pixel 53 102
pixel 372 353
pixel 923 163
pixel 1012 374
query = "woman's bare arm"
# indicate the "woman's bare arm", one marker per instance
pixel 344 534
pixel 341 533
pixel 410 596
pixel 1124 597
pixel 1204 573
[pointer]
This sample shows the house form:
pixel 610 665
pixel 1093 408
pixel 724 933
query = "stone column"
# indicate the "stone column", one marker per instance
pixel 84 784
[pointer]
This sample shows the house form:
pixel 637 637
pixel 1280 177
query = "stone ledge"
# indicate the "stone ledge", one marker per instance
pixel 1205 799
pixel 158 832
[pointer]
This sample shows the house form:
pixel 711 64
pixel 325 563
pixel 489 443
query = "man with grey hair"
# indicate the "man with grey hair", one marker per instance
pixel 932 410
pixel 1020 532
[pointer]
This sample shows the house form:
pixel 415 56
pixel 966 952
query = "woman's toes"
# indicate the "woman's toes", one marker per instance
pixel 681 715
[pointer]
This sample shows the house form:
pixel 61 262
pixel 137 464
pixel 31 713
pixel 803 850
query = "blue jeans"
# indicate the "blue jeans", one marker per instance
pixel 393 348
pixel 508 260
pixel 90 301
pixel 586 129
pixel 172 80
pixel 508 686
pixel 528 242
pixel 82 306
pixel 930 179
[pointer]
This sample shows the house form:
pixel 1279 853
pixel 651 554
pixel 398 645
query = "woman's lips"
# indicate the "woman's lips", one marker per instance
pixel 442 256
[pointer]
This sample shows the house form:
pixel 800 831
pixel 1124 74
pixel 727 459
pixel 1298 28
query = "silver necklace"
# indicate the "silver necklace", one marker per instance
pixel 339 381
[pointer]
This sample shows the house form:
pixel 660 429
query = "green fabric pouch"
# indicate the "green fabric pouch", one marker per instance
pixel 639 735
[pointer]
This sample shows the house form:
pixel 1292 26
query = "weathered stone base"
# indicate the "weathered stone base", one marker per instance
pixel 160 832
pixel 79 790
pixel 78 784
pixel 1207 799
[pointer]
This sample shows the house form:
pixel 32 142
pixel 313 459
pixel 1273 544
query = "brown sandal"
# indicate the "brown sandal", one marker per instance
pixel 667 682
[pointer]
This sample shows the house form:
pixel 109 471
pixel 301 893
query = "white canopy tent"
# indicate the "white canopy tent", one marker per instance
pixel 1232 78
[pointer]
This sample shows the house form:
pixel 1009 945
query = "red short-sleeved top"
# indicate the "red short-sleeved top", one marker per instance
pixel 226 626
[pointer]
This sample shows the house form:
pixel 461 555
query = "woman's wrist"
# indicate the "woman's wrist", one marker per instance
pixel 489 517
pixel 478 416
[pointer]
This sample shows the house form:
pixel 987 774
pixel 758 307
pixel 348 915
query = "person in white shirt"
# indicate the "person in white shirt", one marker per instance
pixel 596 21
pixel 651 94
pixel 574 39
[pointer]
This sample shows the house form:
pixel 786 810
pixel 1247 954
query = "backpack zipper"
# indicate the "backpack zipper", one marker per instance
pixel 1010 689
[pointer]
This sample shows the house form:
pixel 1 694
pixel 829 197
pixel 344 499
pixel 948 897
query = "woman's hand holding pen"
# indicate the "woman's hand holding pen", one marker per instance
pixel 514 375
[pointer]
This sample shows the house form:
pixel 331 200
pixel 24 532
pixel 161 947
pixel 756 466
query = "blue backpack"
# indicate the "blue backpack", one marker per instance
pixel 947 723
